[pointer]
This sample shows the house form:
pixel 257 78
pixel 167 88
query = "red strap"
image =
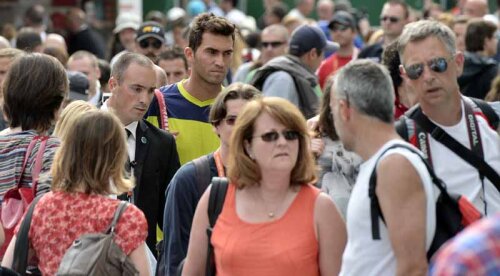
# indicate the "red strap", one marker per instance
pixel 163 110
pixel 38 161
pixel 38 164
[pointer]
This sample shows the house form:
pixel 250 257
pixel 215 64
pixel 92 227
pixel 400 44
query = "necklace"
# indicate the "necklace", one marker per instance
pixel 271 214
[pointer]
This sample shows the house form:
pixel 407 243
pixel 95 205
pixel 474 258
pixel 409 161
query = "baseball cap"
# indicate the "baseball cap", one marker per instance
pixel 126 21
pixel 307 37
pixel 151 29
pixel 78 85
pixel 343 18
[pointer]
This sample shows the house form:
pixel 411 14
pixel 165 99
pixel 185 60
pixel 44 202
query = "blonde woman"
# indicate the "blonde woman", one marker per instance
pixel 91 156
pixel 71 113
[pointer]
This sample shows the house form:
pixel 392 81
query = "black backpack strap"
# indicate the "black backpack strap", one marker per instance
pixel 467 155
pixel 202 168
pixel 375 211
pixel 118 212
pixel 21 249
pixel 215 204
pixel 491 115
pixel 402 128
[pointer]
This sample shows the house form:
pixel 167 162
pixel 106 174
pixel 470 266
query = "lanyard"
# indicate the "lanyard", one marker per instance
pixel 218 163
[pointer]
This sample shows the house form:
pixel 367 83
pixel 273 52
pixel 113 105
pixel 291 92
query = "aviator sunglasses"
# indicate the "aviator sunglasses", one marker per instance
pixel 272 136
pixel 438 65
pixel 146 43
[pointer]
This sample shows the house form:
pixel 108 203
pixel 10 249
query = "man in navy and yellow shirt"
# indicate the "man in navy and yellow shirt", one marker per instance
pixel 187 102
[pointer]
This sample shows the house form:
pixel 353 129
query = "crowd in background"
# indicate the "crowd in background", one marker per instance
pixel 171 100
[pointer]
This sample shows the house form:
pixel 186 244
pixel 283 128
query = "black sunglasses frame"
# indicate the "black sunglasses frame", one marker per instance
pixel 391 19
pixel 273 44
pixel 145 44
pixel 272 136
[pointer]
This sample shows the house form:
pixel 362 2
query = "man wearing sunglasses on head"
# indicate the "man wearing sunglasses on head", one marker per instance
pixel 458 135
pixel 150 40
pixel 393 18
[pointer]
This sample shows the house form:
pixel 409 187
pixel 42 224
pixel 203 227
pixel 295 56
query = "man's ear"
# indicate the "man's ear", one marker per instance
pixel 112 83
pixel 189 53
pixel 459 61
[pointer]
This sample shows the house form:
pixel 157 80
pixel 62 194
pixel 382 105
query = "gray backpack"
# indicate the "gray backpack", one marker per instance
pixel 97 253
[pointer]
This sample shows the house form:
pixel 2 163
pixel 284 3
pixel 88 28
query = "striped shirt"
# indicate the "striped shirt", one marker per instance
pixel 12 151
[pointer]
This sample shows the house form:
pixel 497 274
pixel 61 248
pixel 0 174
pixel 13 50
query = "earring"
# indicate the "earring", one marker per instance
pixel 251 156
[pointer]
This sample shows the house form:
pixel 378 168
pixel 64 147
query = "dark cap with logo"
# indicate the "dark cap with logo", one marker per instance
pixel 343 18
pixel 307 37
pixel 78 85
pixel 151 29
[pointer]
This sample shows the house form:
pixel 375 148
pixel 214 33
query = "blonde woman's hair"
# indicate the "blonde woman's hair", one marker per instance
pixel 92 156
pixel 244 171
pixel 71 113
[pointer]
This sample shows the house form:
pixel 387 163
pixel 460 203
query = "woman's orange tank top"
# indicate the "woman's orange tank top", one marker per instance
pixel 286 246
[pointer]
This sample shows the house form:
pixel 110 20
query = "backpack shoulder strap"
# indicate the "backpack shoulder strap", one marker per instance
pixel 118 212
pixel 375 211
pixel 20 261
pixel 216 199
pixel 488 111
pixel 402 128
pixel 215 204
pixel 202 172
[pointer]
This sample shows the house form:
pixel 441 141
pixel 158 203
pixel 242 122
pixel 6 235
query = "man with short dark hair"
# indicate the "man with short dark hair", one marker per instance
pixel 479 68
pixel 174 63
pixel 153 159
pixel 343 30
pixel 393 18
pixel 292 76
pixel 211 43
pixel 81 36
pixel 86 63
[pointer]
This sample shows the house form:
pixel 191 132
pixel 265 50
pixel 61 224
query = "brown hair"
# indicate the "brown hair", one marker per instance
pixel 325 122
pixel 92 156
pixel 125 60
pixel 234 91
pixel 33 90
pixel 244 171
pixel 171 54
pixel 477 31
pixel 208 22
pixel 494 93
pixel 59 54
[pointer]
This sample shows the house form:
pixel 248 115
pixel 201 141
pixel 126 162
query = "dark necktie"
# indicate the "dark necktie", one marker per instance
pixel 127 164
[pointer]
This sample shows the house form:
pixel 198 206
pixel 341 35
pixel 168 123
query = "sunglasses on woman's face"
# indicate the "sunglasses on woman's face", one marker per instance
pixel 438 65
pixel 146 43
pixel 272 136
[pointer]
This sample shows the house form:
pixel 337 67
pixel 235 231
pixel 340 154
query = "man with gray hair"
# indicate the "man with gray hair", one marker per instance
pixel 457 134
pixel 362 104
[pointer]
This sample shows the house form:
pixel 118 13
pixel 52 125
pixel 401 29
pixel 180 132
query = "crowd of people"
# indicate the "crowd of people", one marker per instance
pixel 331 135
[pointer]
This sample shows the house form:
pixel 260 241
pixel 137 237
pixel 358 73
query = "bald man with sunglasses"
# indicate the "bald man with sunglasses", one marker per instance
pixel 445 120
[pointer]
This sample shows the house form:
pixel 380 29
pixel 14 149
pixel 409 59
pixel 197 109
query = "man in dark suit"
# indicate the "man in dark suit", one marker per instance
pixel 81 36
pixel 152 152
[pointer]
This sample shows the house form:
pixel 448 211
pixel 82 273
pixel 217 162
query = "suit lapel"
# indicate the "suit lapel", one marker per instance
pixel 141 149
